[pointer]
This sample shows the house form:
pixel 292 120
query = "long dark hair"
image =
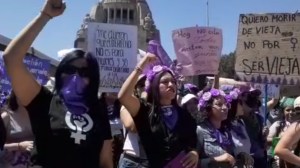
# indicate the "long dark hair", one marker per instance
pixel 12 103
pixel 2 134
pixel 231 116
pixel 93 73
pixel 153 96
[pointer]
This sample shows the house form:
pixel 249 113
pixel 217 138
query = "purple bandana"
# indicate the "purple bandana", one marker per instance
pixel 170 116
pixel 73 94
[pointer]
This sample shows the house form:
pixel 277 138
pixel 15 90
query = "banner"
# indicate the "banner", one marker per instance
pixel 273 90
pixel 198 49
pixel 268 48
pixel 38 67
pixel 115 47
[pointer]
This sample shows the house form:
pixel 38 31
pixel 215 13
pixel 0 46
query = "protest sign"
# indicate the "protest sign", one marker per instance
pixel 273 90
pixel 268 48
pixel 115 48
pixel 38 67
pixel 198 49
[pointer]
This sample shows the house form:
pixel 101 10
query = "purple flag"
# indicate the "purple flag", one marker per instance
pixel 154 47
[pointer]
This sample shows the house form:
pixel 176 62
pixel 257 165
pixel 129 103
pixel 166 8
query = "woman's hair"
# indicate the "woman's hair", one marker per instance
pixel 2 134
pixel 12 102
pixel 231 114
pixel 139 85
pixel 93 73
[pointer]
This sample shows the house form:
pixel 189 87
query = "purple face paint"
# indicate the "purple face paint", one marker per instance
pixel 73 94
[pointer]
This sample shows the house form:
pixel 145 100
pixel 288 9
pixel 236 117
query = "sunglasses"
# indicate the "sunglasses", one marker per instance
pixel 70 70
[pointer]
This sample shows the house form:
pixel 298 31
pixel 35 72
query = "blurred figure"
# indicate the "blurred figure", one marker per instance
pixel 288 148
pixel 19 141
pixel 134 155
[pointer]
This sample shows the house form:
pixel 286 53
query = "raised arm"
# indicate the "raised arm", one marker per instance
pixel 286 144
pixel 23 83
pixel 127 120
pixel 126 96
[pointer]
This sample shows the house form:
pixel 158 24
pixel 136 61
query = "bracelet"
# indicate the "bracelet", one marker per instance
pixel 138 69
pixel 47 14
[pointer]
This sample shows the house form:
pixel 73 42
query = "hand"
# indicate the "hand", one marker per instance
pixel 26 145
pixel 148 59
pixel 225 158
pixel 54 7
pixel 190 160
pixel 265 131
pixel 247 159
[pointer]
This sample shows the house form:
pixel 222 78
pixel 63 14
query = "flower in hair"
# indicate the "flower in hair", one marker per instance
pixel 228 98
pixel 234 95
pixel 157 68
pixel 207 96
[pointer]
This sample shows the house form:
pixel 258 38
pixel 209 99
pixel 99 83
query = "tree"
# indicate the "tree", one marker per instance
pixel 227 65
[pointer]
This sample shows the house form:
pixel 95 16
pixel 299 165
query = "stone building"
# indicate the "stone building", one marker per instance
pixel 131 12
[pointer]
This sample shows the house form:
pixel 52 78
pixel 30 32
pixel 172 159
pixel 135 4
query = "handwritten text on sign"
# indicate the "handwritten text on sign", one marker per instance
pixel 38 67
pixel 268 48
pixel 198 49
pixel 115 47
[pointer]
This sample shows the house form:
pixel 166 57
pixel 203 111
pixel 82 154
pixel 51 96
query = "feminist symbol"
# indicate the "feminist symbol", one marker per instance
pixel 294 41
pixel 81 124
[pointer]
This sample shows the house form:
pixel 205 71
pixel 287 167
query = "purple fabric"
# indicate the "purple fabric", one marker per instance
pixel 170 116
pixel 176 162
pixel 1 71
pixel 73 94
pixel 154 47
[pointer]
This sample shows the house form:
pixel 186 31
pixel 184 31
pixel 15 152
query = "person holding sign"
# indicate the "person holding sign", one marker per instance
pixel 70 125
pixel 167 132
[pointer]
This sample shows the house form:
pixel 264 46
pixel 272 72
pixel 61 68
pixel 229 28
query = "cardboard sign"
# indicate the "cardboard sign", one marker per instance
pixel 268 48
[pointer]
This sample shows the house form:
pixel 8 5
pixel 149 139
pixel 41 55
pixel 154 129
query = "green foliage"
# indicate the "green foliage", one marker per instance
pixel 227 65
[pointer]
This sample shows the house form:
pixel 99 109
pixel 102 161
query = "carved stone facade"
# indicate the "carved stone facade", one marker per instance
pixel 131 12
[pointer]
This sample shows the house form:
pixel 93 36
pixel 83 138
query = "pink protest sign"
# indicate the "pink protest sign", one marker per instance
pixel 198 49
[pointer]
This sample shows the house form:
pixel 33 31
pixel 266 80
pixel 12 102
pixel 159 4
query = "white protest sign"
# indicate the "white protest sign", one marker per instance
pixel 268 48
pixel 115 47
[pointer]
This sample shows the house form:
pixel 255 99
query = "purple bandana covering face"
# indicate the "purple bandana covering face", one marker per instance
pixel 73 94
pixel 170 116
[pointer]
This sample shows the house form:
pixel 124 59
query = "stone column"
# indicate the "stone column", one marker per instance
pixel 108 15
pixel 121 15
pixel 128 17
pixel 115 15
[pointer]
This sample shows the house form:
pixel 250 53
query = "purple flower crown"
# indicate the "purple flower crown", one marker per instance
pixel 205 97
pixel 153 72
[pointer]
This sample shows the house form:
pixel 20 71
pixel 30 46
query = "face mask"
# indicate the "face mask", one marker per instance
pixel 73 94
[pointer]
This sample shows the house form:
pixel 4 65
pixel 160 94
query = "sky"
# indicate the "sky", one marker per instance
pixel 168 15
